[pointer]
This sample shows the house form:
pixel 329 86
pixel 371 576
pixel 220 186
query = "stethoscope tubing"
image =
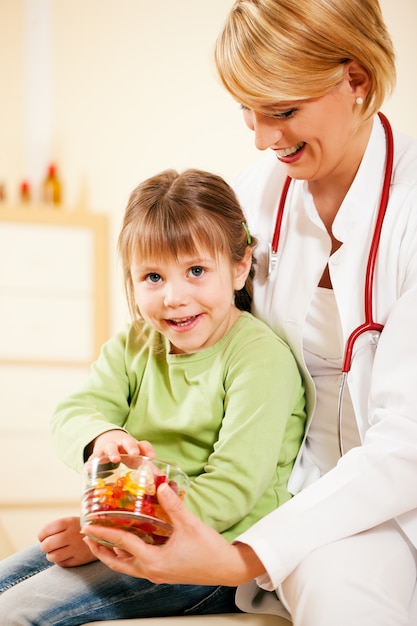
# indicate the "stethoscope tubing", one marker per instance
pixel 369 323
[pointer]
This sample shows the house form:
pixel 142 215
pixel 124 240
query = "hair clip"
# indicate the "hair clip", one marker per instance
pixel 248 237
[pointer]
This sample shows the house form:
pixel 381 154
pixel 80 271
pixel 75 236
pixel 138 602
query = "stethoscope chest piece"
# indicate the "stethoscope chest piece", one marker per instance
pixel 272 259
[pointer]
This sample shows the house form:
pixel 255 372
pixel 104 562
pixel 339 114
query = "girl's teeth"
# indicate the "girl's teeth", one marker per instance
pixel 182 322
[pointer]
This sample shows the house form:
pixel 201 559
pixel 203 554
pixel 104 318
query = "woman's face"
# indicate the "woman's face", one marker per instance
pixel 314 138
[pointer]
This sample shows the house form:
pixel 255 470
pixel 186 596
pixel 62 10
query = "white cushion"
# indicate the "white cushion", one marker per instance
pixel 231 619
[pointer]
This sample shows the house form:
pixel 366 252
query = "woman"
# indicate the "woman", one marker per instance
pixel 311 76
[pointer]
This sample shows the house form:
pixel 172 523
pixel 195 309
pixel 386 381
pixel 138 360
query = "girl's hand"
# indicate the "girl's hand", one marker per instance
pixel 113 443
pixel 63 543
pixel 194 554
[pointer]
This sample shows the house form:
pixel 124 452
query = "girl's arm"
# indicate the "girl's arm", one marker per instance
pixel 101 405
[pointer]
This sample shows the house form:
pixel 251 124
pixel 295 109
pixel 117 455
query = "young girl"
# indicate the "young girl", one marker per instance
pixel 195 379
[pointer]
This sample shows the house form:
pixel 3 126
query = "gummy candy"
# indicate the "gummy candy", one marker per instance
pixel 129 502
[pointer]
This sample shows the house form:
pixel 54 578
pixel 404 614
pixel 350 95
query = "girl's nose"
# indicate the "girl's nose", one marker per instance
pixel 174 295
pixel 266 129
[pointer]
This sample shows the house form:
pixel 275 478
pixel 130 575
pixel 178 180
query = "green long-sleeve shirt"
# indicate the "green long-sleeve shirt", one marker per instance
pixel 232 416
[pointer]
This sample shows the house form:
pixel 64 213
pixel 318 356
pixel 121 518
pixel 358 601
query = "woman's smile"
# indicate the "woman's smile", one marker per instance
pixel 290 155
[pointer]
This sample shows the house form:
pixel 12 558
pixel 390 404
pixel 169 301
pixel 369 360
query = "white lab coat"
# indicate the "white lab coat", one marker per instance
pixel 377 481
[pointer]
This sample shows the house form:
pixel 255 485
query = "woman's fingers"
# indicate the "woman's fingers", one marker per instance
pixel 179 560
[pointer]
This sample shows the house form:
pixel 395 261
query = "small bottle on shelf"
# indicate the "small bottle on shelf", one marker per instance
pixel 24 193
pixel 3 195
pixel 51 190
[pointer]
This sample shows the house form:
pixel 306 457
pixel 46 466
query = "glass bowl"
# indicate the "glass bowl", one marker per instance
pixel 123 495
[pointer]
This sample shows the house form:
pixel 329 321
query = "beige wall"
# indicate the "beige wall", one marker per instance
pixel 115 91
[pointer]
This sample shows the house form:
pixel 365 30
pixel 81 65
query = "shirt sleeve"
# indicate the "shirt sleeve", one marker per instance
pixel 101 404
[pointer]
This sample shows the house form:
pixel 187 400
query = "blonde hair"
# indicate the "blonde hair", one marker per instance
pixel 171 214
pixel 278 50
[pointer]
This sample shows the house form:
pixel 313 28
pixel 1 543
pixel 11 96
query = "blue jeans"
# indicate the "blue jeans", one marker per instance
pixel 34 592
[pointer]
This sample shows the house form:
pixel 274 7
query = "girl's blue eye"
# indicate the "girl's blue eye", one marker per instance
pixel 197 271
pixel 154 277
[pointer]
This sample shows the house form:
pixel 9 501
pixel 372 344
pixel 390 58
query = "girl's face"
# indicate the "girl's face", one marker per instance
pixel 316 138
pixel 190 300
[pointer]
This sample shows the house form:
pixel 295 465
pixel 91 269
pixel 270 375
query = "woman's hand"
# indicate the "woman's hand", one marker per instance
pixel 63 543
pixel 115 442
pixel 194 554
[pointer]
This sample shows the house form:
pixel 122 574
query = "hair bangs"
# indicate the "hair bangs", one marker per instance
pixel 176 232
pixel 253 67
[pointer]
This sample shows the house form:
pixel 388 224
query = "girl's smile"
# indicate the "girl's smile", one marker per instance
pixel 185 324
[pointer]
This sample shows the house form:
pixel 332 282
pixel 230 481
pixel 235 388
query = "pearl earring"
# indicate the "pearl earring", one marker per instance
pixel 359 100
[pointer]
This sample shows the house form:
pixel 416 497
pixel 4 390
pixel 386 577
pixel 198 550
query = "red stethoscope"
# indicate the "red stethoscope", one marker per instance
pixel 369 323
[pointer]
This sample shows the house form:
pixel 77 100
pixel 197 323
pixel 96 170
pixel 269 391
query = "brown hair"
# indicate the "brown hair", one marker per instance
pixel 171 214
pixel 278 50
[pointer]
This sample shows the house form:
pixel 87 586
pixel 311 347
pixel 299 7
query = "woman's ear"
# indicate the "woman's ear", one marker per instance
pixel 242 270
pixel 358 78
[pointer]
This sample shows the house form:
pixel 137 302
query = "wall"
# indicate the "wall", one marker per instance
pixel 115 91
